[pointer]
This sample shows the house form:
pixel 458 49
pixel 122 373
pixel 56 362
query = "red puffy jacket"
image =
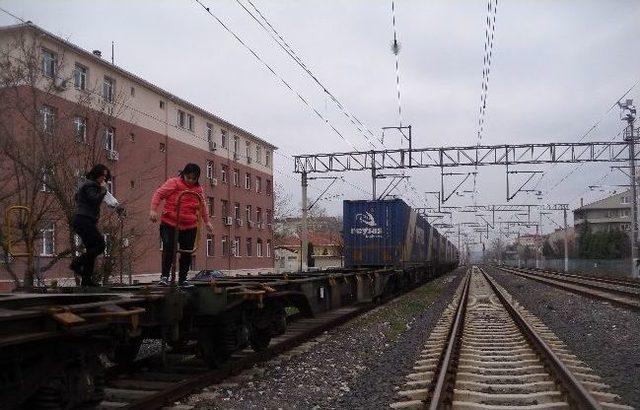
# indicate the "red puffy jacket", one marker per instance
pixel 189 205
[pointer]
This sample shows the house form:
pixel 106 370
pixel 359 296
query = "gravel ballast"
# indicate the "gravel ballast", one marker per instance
pixel 605 336
pixel 357 365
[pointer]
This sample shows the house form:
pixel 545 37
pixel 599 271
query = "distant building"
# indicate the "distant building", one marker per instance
pixel 533 241
pixel 612 213
pixel 326 251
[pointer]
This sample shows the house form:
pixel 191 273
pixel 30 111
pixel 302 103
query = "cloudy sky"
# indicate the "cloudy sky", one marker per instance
pixel 557 67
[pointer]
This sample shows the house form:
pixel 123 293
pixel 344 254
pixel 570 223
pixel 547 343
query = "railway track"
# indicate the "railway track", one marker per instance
pixel 486 351
pixel 622 293
pixel 162 382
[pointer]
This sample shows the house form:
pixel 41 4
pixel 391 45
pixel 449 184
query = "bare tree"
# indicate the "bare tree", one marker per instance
pixel 47 142
pixel 282 203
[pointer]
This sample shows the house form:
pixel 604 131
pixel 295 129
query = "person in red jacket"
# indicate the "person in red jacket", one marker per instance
pixel 189 207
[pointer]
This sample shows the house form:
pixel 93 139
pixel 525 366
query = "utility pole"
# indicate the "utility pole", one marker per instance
pixel 373 176
pixel 566 243
pixel 629 115
pixel 305 226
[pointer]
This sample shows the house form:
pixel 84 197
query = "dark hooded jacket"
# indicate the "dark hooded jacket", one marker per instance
pixel 88 199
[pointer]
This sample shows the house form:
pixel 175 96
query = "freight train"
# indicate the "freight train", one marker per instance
pixel 52 341
pixel 388 233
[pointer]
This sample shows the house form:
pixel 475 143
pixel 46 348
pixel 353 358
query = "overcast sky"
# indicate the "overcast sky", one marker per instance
pixel 557 68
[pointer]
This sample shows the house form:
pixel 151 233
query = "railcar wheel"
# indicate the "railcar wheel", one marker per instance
pixel 279 322
pixel 125 353
pixel 217 343
pixel 78 384
pixel 260 339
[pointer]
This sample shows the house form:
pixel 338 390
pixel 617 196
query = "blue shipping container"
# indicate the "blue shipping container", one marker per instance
pixel 384 233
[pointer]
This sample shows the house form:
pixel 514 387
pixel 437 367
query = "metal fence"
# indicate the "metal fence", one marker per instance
pixel 608 266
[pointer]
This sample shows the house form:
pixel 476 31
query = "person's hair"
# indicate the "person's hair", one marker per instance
pixel 191 168
pixel 97 171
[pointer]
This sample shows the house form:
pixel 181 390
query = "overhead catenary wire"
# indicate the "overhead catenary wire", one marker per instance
pixel 272 71
pixel 266 25
pixel 490 28
pixel 12 15
pixel 395 48
pixel 589 131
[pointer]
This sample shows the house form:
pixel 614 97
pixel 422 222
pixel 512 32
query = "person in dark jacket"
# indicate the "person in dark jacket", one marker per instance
pixel 91 193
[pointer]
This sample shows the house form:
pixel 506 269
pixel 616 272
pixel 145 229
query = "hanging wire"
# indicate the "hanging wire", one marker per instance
pixel 395 48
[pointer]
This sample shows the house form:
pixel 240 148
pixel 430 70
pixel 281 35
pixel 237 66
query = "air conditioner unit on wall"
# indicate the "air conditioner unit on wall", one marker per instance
pixel 60 84
pixel 113 155
pixel 239 222
pixel 213 181
pixel 228 221
pixel 259 225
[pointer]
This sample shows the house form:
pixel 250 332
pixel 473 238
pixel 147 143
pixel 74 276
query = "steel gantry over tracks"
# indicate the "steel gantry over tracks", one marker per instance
pixel 482 155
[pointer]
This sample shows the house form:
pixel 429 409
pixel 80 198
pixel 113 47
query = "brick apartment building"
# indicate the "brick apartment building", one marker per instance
pixel 149 135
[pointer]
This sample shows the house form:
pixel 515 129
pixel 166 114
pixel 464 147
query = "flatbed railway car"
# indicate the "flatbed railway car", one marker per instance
pixel 52 340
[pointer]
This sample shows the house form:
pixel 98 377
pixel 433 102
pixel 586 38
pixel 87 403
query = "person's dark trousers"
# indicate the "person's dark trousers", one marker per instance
pixel 186 239
pixel 87 229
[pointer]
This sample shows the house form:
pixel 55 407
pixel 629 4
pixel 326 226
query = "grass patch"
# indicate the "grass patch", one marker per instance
pixel 399 312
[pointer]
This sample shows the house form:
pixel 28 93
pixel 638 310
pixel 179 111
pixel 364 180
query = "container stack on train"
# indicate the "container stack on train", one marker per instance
pixel 388 233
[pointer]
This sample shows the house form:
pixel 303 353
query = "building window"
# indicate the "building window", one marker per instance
pixel 108 86
pixel 48 233
pixel 236 246
pixel 181 119
pixel 191 122
pixel 110 139
pixel 80 128
pixel 80 77
pixel 211 205
pixel 267 158
pixel 248 212
pixel 225 245
pixel 268 215
pixel 210 245
pixel 225 208
pixel 236 177
pixel 258 184
pixel 49 63
pixel 161 105
pixel 626 199
pixel 269 187
pixel 47 179
pixel 258 154
pixel 247 181
pixel 249 247
pixel 259 248
pixel 236 210
pixel 163 147
pixel 107 244
pixel 225 170
pixel 48 115
pixel 626 227
pixel 210 172
pixel 258 215
pixel 248 151
pixel 225 139
pixel 236 144
pixel 109 185
pixel 625 212
pixel 209 132
pixel 133 92
pixel 268 249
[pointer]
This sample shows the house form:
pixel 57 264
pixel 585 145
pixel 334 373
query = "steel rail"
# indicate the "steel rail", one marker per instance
pixel 624 298
pixel 438 395
pixel 578 394
pixel 628 282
